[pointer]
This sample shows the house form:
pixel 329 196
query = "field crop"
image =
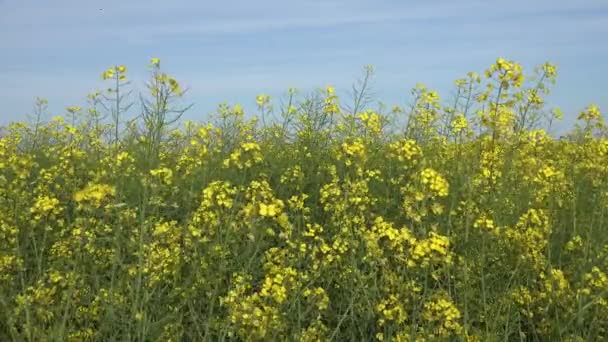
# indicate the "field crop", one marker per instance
pixel 448 220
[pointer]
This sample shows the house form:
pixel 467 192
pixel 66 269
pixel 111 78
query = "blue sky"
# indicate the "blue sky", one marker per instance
pixel 230 51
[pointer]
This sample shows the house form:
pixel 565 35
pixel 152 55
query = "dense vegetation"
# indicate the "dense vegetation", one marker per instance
pixel 461 220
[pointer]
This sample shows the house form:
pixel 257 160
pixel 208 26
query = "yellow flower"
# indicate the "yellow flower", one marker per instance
pixel 591 113
pixel 550 69
pixel 95 193
pixel 262 99
pixel 108 74
pixel 268 210
pixel 44 204
pixel 74 109
pixel 238 110
pixel 163 173
pixel 174 86
pixel 435 182
pixel 459 123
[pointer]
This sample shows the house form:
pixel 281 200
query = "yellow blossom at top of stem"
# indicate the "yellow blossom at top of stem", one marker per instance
pixel 508 72
pixel 550 69
pixel 108 74
pixel 74 109
pixel 174 86
pixel 262 100
pixel 238 110
pixel 591 113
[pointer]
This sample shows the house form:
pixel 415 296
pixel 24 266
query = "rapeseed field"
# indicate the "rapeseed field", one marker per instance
pixel 451 220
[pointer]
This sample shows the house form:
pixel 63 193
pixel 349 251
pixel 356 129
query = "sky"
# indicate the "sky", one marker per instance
pixel 230 51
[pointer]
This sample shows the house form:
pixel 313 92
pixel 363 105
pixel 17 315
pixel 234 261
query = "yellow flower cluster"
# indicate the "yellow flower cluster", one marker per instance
pixel 165 174
pixel 45 205
pixel 353 150
pixel 485 223
pixel 372 122
pixel 248 155
pixel 437 185
pixel 444 315
pixel 262 100
pixel 391 310
pixel 459 124
pixel 405 151
pixel 508 72
pixel 592 113
pixel 331 101
pixel 434 250
pixel 95 194
pixel 118 71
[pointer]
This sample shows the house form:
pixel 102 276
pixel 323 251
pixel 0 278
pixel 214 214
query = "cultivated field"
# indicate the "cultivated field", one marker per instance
pixel 323 218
